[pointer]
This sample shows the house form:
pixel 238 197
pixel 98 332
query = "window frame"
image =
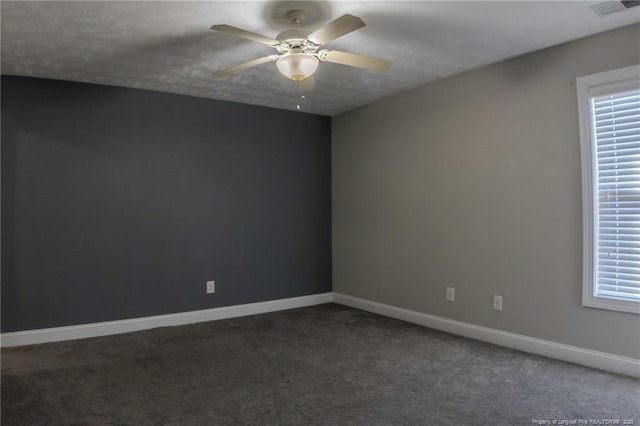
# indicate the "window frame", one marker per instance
pixel 587 87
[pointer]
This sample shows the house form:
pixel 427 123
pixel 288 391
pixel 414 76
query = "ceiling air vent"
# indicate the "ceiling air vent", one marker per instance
pixel 630 3
pixel 610 7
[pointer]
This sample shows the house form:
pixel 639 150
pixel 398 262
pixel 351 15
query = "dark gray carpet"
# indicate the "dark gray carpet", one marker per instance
pixel 321 365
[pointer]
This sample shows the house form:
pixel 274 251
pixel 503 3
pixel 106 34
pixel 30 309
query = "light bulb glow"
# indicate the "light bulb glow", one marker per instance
pixel 297 66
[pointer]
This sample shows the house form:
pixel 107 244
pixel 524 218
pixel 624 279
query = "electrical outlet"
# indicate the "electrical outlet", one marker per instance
pixel 211 287
pixel 451 294
pixel 497 302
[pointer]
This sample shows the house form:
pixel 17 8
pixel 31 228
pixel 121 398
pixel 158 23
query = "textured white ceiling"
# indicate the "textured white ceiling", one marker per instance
pixel 167 46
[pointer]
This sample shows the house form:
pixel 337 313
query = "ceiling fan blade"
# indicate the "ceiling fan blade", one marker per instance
pixel 336 28
pixel 353 60
pixel 305 86
pixel 238 32
pixel 246 65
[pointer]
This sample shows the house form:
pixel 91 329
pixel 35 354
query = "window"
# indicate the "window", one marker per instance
pixel 609 107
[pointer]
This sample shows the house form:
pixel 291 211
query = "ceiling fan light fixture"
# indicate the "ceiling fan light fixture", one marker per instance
pixel 297 66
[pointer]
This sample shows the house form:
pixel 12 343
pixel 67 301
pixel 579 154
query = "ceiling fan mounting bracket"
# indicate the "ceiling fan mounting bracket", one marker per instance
pixel 295 39
pixel 296 17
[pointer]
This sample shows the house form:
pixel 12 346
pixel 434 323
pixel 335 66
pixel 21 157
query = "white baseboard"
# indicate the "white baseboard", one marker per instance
pixel 57 334
pixel 576 355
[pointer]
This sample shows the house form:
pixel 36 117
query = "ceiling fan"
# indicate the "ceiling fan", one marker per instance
pixel 299 53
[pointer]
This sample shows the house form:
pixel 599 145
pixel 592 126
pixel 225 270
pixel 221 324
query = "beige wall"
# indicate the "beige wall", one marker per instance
pixel 474 182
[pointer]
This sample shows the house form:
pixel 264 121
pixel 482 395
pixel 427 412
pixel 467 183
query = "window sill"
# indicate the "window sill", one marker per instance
pixel 611 304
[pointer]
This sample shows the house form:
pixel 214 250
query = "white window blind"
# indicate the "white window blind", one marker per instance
pixel 609 115
pixel 615 121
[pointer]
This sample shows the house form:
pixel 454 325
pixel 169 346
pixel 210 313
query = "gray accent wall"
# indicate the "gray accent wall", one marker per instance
pixel 474 182
pixel 121 203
